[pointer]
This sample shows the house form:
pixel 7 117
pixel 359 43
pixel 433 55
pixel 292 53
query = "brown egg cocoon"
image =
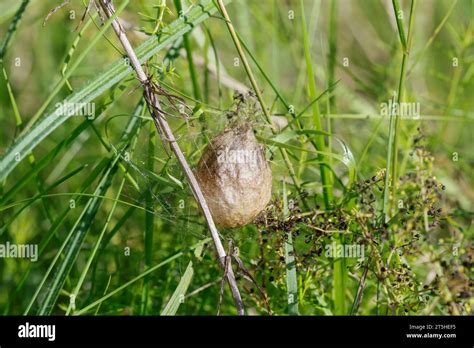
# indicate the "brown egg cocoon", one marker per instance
pixel 235 177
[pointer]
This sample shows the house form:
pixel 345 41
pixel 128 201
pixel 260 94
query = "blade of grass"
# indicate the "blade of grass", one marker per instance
pixel 139 277
pixel 189 55
pixel 290 262
pixel 12 28
pixel 16 112
pixel 71 51
pixel 149 217
pixel 325 174
pixel 85 270
pixel 421 53
pixel 339 271
pixel 132 129
pixel 332 38
pixel 64 144
pixel 331 67
pixel 217 64
pixel 55 227
pixel 179 294
pixel 399 19
pixel 401 95
pixel 75 240
pixel 391 173
pixel 57 88
pixel 253 82
pixel 58 223
pixel 40 196
pixel 114 74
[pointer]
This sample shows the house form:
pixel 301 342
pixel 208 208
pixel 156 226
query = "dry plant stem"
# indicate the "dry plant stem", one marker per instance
pixel 162 125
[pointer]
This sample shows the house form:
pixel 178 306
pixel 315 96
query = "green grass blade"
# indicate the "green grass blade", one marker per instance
pixel 189 55
pixel 57 88
pixel 55 227
pixel 332 38
pixel 64 144
pixel 114 74
pixel 149 216
pixel 399 20
pixel 127 284
pixel 139 277
pixel 85 270
pixel 290 262
pixel 76 240
pixel 82 223
pixel 392 155
pixel 291 279
pixel 71 51
pixel 12 27
pixel 178 295
pixel 39 165
pixel 325 174
pixel 421 53
pixel 16 112
pixel 132 129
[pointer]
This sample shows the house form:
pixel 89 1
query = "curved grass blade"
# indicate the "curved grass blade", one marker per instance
pixel 114 74
pixel 178 295
pixel 12 27
pixel 137 278
pixel 76 239
pixel 49 158
pixel 348 160
pixel 291 277
pixel 132 129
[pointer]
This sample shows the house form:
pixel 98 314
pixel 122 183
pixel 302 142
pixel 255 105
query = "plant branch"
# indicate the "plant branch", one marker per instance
pixel 165 131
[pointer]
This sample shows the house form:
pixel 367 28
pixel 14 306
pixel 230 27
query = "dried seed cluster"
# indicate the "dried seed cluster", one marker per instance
pixel 391 247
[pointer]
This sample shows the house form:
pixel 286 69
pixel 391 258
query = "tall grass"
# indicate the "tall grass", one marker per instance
pixel 116 228
pixel 391 178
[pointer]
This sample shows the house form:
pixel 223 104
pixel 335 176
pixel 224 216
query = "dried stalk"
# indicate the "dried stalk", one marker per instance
pixel 166 133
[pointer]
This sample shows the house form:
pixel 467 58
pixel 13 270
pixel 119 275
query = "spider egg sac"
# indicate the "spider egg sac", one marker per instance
pixel 235 177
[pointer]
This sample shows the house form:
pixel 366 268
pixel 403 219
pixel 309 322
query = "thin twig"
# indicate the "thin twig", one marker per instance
pixel 360 290
pixel 163 126
pixel 54 10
